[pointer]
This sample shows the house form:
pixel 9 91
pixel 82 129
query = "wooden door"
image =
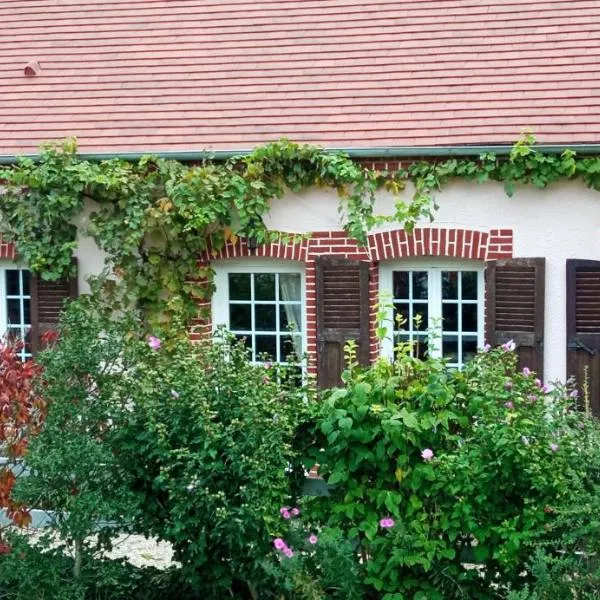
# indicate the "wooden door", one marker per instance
pixel 515 291
pixel 342 315
pixel 583 329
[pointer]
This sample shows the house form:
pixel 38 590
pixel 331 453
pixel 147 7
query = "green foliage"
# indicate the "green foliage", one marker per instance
pixel 208 443
pixel 313 563
pixel 41 571
pixel 471 466
pixel 73 469
pixel 154 217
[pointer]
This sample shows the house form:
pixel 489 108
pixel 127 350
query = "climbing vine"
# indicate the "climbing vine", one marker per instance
pixel 153 217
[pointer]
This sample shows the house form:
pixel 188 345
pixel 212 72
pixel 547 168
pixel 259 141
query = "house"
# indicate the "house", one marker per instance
pixel 387 82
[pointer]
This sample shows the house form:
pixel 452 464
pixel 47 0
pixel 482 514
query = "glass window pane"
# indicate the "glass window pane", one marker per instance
pixel 400 279
pixel 450 348
pixel 266 345
pixel 469 347
pixel 290 317
pixel 239 286
pixel 264 286
pixel 449 285
pixel 26 287
pixel 240 317
pixel 27 311
pixel 419 290
pixel 400 338
pixel 246 340
pixel 401 317
pixel 469 317
pixel 450 317
pixel 12 283
pixel 264 317
pixel 290 348
pixel 469 285
pixel 420 309
pixel 289 287
pixel 14 311
pixel 420 346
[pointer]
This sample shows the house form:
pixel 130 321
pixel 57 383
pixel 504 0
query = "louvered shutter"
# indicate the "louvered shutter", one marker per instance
pixel 583 327
pixel 515 308
pixel 47 301
pixel 342 315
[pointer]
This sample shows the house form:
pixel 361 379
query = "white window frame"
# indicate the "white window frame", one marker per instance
pixel 4 267
pixel 434 296
pixel 220 297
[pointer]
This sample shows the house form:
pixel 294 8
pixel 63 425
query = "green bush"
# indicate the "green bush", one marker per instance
pixel 209 444
pixel 444 478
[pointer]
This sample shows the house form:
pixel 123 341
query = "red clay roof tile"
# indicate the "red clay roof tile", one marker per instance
pixel 152 75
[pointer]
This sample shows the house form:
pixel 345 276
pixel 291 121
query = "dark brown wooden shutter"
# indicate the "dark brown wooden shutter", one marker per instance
pixel 515 308
pixel 342 315
pixel 583 327
pixel 47 301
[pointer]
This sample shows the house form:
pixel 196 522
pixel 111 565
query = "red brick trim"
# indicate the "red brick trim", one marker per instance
pixel 7 249
pixel 386 245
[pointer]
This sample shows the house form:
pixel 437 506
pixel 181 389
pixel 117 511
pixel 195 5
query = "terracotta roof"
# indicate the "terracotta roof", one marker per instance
pixel 152 75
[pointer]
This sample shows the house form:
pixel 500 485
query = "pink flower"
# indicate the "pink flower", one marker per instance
pixel 154 342
pixel 295 512
pixel 508 384
pixel 538 382
pixel 510 405
pixel 279 544
pixel 532 398
pixel 286 515
pixel 288 552
pixel 313 539
pixel 284 509
pixel 268 365
pixel 427 454
pixel 545 389
pixel 386 523
pixel 554 447
pixel 574 394
pixel 486 348
pixel 526 371
pixel 509 346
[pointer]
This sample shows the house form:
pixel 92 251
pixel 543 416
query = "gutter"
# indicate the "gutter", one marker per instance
pixel 375 152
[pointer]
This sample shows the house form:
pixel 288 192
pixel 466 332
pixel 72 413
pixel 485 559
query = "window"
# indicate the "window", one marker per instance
pixel 437 308
pixel 263 304
pixel 15 306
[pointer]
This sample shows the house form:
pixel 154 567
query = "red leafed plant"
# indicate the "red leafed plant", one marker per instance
pixel 22 413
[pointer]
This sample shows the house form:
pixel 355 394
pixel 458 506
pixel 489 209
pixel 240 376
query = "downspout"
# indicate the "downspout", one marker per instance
pixel 376 152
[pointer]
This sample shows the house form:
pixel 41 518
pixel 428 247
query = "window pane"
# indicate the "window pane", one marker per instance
pixel 401 317
pixel 450 317
pixel 469 317
pixel 449 285
pixel 419 285
pixel 239 286
pixel 240 317
pixel 266 345
pixel 422 310
pixel 290 317
pixel 26 286
pixel 450 348
pixel 27 310
pixel 469 347
pixel 289 287
pixel 290 348
pixel 264 317
pixel 264 286
pixel 469 285
pixel 420 346
pixel 400 285
pixel 12 283
pixel 246 340
pixel 14 311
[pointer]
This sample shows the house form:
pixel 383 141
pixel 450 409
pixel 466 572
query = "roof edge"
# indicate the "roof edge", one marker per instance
pixel 375 152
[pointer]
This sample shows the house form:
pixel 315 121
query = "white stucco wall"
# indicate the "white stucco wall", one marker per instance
pixel 560 222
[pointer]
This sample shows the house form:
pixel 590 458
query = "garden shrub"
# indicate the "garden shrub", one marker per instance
pixel 433 469
pixel 74 470
pixel 209 445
